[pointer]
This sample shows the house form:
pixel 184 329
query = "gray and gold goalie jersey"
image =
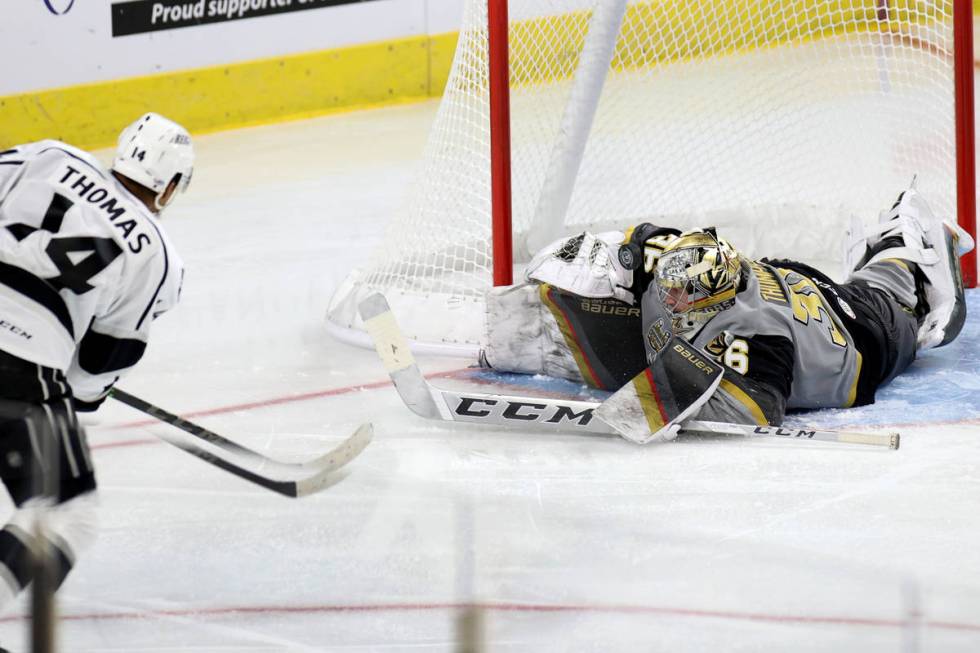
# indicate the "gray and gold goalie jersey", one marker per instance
pixel 783 332
pixel 84 267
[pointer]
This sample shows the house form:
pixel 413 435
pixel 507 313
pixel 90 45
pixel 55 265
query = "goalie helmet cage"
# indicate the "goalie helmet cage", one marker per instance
pixel 781 122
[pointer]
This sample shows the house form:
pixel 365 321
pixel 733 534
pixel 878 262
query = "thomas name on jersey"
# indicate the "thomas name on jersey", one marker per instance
pixel 91 191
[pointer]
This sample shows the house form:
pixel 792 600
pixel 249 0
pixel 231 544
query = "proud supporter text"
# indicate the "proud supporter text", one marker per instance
pixel 227 9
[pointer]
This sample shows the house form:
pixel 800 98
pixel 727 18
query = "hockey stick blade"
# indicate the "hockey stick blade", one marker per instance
pixel 213 438
pixel 328 475
pixel 317 471
pixel 433 402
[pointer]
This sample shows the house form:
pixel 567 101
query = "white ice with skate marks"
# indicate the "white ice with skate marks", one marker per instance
pixel 572 543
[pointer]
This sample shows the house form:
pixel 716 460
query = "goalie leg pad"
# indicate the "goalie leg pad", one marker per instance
pixel 540 329
pixel 911 232
pixel 522 335
pixel 944 286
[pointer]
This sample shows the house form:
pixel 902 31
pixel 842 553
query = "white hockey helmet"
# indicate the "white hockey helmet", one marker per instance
pixel 153 151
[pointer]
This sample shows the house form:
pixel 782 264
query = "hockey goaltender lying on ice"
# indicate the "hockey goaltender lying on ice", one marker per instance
pixel 690 335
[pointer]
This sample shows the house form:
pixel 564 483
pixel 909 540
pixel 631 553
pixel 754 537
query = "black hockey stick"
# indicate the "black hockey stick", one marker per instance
pixel 433 402
pixel 319 472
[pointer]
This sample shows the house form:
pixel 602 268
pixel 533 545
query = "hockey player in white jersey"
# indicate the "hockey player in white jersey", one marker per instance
pixel 85 268
pixel 786 335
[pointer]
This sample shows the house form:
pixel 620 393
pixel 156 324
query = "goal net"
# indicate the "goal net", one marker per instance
pixel 774 120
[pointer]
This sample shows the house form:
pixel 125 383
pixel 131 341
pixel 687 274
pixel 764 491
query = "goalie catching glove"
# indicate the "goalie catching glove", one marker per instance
pixel 585 264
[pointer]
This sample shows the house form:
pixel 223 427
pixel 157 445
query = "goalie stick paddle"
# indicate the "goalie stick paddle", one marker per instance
pixel 433 402
pixel 318 473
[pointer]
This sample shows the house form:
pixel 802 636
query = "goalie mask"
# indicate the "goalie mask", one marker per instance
pixel 697 277
pixel 153 151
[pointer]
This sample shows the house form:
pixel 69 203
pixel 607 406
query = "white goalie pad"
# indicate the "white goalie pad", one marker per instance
pixel 908 227
pixel 586 264
pixel 935 245
pixel 912 220
pixel 523 336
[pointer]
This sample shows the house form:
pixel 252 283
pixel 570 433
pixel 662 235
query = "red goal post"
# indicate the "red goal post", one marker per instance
pixel 779 122
pixel 965 66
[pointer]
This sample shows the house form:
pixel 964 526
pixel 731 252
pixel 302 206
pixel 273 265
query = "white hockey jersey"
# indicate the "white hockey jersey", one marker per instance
pixel 84 266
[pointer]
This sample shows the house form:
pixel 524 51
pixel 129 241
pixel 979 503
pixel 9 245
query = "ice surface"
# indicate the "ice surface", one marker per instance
pixel 571 543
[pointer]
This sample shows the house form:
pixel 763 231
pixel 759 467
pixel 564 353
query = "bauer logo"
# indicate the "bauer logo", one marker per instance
pixel 59 7
pixel 141 16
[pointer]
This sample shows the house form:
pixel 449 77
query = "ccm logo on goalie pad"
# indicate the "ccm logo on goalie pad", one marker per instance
pixel 493 410
pixel 789 433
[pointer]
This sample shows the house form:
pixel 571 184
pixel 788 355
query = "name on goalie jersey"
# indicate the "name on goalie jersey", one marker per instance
pixel 89 191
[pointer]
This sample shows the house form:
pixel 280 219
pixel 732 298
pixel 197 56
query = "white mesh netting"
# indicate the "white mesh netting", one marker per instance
pixel 774 120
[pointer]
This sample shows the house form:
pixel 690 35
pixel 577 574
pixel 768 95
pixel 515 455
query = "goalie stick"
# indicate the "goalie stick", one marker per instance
pixel 319 473
pixel 433 402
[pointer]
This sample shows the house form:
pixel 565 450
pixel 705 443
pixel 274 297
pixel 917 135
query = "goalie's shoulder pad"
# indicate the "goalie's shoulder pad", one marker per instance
pixel 585 264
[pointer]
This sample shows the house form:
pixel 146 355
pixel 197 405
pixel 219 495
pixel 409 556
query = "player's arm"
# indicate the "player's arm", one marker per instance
pixel 116 340
pixel 16 160
pixel 11 163
pixel 757 382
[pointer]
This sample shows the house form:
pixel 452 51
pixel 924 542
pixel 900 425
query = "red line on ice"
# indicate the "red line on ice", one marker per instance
pixel 374 385
pixel 251 405
pixel 509 607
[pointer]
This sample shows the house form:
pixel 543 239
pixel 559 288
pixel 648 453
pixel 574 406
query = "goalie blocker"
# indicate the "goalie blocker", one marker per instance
pixel 677 381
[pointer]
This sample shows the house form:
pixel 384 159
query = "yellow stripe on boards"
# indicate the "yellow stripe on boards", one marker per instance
pixel 541 50
pixel 662 32
pixel 235 95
